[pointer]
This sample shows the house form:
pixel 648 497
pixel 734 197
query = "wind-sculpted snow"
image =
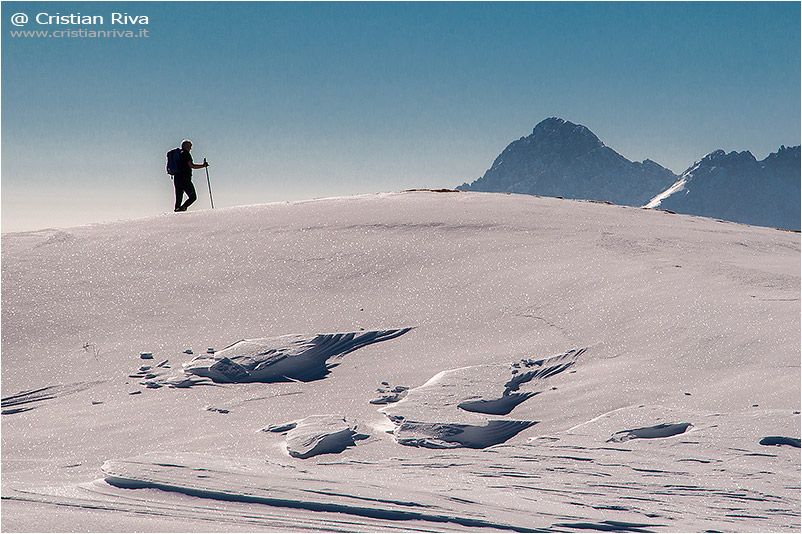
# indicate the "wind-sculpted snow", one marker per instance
pixel 453 435
pixel 28 400
pixel 269 485
pixel 389 394
pixel 450 409
pixel 530 372
pixel 781 440
pixel 318 434
pixel 686 320
pixel 278 359
pixel 560 481
pixel 663 430
pixel 607 526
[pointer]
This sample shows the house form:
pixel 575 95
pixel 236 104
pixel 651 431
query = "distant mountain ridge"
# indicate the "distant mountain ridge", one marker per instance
pixel 737 187
pixel 564 159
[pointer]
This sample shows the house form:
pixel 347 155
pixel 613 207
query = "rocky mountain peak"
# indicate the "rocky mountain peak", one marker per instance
pixel 723 159
pixel 561 158
pixel 555 133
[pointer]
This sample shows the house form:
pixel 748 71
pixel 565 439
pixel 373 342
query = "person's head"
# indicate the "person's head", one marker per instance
pixel 186 144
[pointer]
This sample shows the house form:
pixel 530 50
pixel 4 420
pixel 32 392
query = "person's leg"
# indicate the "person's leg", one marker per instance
pixel 179 193
pixel 191 196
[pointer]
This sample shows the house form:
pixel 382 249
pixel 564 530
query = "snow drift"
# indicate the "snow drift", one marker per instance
pixel 284 358
pixel 318 434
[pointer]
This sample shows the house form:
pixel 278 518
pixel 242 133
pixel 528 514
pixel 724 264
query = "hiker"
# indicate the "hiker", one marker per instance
pixel 182 179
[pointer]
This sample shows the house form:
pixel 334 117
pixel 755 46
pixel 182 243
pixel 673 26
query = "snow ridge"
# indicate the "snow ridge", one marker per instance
pixel 193 476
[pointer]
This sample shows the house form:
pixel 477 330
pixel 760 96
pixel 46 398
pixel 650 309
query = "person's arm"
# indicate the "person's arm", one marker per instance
pixel 194 165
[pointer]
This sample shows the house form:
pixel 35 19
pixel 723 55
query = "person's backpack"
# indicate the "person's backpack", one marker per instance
pixel 172 161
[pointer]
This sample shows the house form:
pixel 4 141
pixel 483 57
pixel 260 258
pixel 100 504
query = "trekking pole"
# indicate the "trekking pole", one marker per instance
pixel 209 183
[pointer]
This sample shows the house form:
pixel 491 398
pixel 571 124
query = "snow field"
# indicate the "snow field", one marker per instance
pixel 675 321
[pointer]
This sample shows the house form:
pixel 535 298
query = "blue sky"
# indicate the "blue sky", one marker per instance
pixel 302 100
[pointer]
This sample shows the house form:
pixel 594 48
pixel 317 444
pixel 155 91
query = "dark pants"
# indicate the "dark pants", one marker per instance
pixel 183 185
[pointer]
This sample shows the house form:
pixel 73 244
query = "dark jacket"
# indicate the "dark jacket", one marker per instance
pixel 184 170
